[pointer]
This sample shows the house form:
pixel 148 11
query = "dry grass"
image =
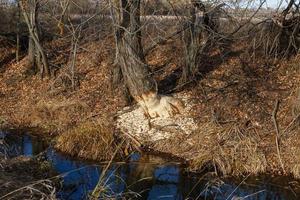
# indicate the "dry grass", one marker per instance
pixel 26 178
pixel 56 115
pixel 291 151
pixel 230 149
pixel 42 189
pixel 294 163
pixel 89 140
pixel 3 122
pixel 296 171
pixel 296 103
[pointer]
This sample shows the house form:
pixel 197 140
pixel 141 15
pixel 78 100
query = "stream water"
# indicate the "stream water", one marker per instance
pixel 145 177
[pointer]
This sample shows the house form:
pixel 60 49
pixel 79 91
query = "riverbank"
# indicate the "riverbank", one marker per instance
pixel 233 106
pixel 51 107
pixel 142 176
pixel 237 107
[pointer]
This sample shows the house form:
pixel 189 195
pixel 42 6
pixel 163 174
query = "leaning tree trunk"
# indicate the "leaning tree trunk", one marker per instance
pixel 36 54
pixel 135 71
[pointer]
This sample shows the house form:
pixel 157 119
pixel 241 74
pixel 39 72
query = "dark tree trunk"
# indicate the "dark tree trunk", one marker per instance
pixel 130 57
pixel 136 73
pixel 36 54
pixel 195 41
pixel 31 53
pixel 18 34
pixel 191 47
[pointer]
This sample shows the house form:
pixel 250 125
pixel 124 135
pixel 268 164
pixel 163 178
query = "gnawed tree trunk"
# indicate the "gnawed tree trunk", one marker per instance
pixel 135 71
pixel 36 54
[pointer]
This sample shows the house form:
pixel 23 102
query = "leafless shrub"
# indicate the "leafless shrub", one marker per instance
pixel 278 36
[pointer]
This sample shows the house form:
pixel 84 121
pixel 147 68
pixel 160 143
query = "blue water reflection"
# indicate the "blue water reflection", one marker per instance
pixel 77 177
pixel 145 178
pixel 28 147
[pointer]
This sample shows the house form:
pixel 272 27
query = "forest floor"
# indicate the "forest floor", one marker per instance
pixel 233 105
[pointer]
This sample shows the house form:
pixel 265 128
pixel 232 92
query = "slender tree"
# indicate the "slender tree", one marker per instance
pixel 64 4
pixel 18 33
pixel 130 57
pixel 36 53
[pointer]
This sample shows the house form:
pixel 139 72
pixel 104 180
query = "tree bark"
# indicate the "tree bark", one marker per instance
pixel 116 17
pixel 31 53
pixel 191 47
pixel 135 71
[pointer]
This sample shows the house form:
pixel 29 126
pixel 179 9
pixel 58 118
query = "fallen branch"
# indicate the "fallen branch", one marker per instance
pixel 137 144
